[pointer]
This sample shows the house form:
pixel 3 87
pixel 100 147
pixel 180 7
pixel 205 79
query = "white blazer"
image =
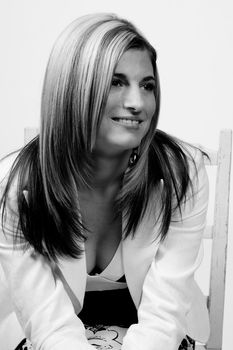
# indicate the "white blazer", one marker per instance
pixel 41 300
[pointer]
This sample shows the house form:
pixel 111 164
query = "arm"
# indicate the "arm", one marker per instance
pixel 169 284
pixel 42 306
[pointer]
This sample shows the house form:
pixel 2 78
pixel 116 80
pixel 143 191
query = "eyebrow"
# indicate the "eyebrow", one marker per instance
pixel 123 76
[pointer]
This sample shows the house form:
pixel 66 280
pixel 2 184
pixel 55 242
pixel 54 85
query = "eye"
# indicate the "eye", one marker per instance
pixel 149 86
pixel 117 82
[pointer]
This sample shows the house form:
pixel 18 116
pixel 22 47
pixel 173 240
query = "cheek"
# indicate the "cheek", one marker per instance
pixel 150 111
pixel 151 104
pixel 113 101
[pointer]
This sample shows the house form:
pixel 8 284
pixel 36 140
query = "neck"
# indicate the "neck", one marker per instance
pixel 109 171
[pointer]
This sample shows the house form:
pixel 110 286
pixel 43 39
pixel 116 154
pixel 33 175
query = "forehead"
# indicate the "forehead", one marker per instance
pixel 135 61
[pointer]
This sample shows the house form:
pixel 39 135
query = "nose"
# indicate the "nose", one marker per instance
pixel 133 99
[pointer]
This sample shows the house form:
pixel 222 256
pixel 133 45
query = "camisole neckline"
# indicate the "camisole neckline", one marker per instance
pixel 108 278
pixel 114 270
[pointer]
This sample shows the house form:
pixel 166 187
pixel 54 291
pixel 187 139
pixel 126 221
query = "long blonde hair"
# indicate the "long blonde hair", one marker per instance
pixel 76 86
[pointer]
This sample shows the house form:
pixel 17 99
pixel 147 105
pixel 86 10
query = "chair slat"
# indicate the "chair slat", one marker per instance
pixel 219 245
pixel 29 134
pixel 208 233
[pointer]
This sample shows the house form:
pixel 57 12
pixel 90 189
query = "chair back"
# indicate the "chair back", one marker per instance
pixel 217 232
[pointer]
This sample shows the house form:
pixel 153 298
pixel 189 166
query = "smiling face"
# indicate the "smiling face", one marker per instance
pixel 130 104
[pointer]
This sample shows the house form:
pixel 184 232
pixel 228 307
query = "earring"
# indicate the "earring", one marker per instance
pixel 133 157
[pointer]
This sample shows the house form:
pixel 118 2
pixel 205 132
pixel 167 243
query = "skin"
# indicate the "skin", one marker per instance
pixel 131 97
pixel 129 110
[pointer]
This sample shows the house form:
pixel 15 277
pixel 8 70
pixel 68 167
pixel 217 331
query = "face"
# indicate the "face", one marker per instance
pixel 130 104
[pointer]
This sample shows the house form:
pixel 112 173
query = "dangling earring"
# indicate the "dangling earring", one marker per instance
pixel 133 157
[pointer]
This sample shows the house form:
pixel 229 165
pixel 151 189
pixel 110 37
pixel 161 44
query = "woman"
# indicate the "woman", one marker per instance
pixel 102 204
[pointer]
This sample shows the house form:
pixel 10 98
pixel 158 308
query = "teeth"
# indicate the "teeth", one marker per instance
pixel 127 121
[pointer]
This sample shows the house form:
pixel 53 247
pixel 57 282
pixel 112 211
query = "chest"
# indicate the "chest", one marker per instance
pixel 104 230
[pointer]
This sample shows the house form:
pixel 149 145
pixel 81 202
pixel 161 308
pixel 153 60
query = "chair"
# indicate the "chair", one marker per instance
pixel 217 232
pixel 29 134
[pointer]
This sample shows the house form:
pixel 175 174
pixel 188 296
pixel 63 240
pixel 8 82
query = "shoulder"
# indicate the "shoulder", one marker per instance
pixel 6 166
pixel 195 160
pixel 199 181
pixel 178 154
pixel 186 159
pixel 192 168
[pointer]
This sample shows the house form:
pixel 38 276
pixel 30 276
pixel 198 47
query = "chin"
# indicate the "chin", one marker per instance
pixel 126 145
pixel 117 144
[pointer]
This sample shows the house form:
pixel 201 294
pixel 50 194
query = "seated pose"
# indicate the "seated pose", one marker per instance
pixel 102 214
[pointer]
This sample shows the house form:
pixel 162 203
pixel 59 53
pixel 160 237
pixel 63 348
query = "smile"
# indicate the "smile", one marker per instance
pixel 127 121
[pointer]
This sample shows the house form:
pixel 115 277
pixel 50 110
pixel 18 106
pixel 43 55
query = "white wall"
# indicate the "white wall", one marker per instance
pixel 194 41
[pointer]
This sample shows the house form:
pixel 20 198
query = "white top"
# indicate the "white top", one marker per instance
pixel 107 279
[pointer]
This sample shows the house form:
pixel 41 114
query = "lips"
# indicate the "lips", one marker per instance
pixel 130 121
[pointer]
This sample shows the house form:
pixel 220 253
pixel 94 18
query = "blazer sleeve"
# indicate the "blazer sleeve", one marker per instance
pixel 169 284
pixel 41 304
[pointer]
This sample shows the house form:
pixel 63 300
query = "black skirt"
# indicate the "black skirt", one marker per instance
pixel 109 307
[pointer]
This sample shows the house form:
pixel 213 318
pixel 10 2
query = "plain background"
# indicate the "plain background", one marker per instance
pixel 194 41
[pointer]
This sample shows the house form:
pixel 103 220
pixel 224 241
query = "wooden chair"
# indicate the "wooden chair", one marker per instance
pixel 29 134
pixel 217 232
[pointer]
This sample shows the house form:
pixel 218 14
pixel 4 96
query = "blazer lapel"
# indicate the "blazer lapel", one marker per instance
pixel 73 275
pixel 138 253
